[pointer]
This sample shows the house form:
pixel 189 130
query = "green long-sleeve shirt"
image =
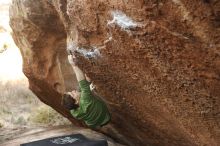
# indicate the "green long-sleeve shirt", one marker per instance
pixel 91 109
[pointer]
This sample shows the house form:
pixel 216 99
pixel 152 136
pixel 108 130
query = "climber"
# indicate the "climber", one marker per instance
pixel 83 105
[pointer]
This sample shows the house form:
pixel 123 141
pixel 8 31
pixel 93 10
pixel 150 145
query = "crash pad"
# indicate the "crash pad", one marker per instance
pixel 68 140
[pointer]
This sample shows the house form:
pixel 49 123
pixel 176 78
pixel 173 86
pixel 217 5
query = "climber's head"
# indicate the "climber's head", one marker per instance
pixel 75 95
pixel 70 100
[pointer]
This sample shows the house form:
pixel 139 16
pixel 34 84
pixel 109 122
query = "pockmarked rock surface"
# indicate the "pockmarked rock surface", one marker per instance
pixel 155 63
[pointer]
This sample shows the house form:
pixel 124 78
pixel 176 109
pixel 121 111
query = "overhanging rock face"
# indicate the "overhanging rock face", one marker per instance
pixel 157 64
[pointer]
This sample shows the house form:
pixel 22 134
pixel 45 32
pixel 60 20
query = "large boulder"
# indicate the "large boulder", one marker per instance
pixel 155 63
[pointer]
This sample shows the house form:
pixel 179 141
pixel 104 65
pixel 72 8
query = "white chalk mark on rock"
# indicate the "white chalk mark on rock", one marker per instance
pixel 71 46
pixel 109 39
pixel 122 20
pixel 93 52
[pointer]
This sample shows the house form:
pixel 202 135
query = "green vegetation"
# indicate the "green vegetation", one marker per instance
pixel 47 116
pixel 4 48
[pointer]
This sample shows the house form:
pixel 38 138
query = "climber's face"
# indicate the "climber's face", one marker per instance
pixel 75 95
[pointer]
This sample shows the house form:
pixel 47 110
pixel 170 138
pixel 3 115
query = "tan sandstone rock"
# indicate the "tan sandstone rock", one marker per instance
pixel 156 63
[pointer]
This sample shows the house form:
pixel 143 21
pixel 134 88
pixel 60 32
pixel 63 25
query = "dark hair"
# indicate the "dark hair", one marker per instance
pixel 68 102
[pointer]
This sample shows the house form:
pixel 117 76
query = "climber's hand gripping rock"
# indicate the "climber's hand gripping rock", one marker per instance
pixel 72 59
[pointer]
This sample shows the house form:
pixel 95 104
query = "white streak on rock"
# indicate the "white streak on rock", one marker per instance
pixel 177 2
pixel 94 53
pixel 123 21
pixel 109 39
pixel 71 46
pixel 91 52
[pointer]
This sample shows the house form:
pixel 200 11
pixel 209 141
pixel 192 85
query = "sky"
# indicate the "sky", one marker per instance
pixel 10 60
pixel 4 13
pixel 5 2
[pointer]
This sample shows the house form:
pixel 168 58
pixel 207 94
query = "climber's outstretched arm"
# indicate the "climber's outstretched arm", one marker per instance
pixel 79 73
